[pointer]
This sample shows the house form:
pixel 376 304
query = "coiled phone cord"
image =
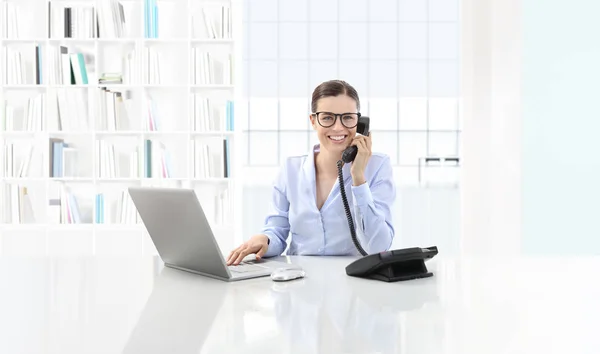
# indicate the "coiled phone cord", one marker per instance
pixel 340 163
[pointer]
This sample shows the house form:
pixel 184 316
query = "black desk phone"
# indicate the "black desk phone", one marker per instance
pixel 389 266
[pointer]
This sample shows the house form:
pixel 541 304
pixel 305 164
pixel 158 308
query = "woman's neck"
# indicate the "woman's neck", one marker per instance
pixel 326 162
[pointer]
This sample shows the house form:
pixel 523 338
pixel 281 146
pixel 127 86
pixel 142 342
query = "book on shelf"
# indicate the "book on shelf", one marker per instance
pixel 10 161
pixel 121 211
pixel 116 108
pixel 152 61
pixel 216 205
pixel 134 164
pixel 111 78
pixel 63 207
pixel 131 62
pixel 111 19
pixel 38 65
pixel 67 68
pixel 211 160
pixel 31 118
pixel 15 205
pixel 67 110
pixel 7 117
pixel 212 115
pixel 68 21
pixel 16 66
pixel 157 160
pixel 14 72
pixel 212 22
pixel 151 121
pixel 211 68
pixel 223 207
pixel 150 19
pixel 63 159
pixel 107 162
pixel 111 164
pixel 10 19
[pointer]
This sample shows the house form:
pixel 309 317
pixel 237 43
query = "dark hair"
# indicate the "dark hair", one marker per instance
pixel 333 88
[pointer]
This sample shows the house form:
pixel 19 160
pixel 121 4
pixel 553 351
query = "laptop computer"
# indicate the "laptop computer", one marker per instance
pixel 184 239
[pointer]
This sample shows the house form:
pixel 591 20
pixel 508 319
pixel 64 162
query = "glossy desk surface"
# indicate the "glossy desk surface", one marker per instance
pixel 135 305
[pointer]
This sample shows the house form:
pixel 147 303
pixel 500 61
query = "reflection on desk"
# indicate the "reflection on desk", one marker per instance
pixel 340 314
pixel 326 312
pixel 135 305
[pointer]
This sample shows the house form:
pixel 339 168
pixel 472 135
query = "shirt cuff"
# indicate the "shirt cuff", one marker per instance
pixel 362 195
pixel 273 247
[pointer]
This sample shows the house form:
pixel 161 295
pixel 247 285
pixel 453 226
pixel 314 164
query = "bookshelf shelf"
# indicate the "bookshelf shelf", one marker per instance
pixel 71 40
pixel 165 40
pixel 23 179
pixel 117 133
pixel 213 41
pixel 211 180
pixel 212 133
pixel 177 134
pixel 72 179
pixel 118 180
pixel 213 87
pixel 23 40
pixel 24 87
pixel 27 134
pixel 24 227
pixel 90 105
pixel 117 40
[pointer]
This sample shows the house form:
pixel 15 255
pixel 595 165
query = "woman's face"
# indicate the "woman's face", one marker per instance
pixel 336 137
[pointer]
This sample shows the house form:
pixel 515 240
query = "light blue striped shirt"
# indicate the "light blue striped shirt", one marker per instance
pixel 294 210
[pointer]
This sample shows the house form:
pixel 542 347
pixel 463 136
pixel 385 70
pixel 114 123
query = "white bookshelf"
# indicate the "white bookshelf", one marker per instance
pixel 64 130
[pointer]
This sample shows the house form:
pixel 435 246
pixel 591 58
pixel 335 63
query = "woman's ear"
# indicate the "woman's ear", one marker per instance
pixel 312 121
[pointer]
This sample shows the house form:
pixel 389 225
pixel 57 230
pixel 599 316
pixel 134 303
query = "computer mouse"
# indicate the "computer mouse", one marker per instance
pixel 284 274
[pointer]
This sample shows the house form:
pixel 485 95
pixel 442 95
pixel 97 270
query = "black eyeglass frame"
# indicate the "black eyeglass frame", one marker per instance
pixel 335 117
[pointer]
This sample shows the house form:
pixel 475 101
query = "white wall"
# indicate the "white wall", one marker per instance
pixel 530 124
pixel 491 143
pixel 561 168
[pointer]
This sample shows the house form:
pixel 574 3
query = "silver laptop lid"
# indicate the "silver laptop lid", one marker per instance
pixel 179 229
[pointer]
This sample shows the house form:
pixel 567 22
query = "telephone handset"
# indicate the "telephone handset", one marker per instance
pixel 363 129
pixel 389 266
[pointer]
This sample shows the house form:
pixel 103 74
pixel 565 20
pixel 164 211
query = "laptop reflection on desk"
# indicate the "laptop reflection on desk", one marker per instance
pixel 178 315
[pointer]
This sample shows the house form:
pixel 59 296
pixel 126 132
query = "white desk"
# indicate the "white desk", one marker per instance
pixel 135 305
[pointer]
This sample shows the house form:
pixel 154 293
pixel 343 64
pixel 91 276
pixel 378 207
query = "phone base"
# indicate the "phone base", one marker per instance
pixel 401 271
pixel 394 265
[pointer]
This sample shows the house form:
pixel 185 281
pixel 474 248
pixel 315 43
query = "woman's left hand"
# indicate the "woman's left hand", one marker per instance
pixel 362 157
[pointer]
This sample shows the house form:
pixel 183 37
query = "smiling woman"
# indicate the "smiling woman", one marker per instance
pixel 306 201
pixel 326 97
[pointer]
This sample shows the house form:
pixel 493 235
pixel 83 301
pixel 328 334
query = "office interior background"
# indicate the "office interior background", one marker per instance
pixel 458 97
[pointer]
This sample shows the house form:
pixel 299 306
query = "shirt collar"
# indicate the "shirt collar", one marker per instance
pixel 309 165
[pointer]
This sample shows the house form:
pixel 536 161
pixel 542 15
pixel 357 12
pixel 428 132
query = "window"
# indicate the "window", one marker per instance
pixel 401 55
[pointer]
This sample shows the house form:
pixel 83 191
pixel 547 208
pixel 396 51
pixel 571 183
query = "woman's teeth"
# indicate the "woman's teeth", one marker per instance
pixel 337 138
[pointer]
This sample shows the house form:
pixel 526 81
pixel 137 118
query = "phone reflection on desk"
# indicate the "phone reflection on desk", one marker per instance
pixel 352 316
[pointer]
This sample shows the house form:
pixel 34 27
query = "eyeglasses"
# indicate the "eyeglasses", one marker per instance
pixel 328 119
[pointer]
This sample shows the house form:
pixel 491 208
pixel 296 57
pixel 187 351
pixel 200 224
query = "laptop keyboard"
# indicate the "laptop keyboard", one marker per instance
pixel 244 268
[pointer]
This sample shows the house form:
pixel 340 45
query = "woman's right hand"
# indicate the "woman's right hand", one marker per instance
pixel 256 244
